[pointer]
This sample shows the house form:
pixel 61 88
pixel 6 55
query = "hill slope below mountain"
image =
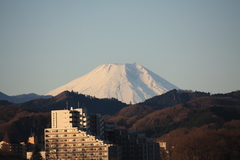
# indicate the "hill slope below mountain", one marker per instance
pixel 194 118
pixel 199 110
pixel 72 99
pixel 19 123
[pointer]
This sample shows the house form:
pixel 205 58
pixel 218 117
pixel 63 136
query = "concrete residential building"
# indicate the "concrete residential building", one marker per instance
pixel 68 137
pixel 134 146
pixel 96 125
pixel 74 144
pixel 69 118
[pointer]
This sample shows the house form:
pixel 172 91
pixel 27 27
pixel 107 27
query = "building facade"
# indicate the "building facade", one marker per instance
pixel 134 146
pixel 96 125
pixel 75 136
pixel 69 118
pixel 68 137
pixel 73 144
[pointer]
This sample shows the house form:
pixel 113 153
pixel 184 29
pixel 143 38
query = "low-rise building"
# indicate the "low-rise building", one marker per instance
pixel 135 146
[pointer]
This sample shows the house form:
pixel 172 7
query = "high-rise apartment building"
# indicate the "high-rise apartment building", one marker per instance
pixel 73 144
pixel 75 136
pixel 68 139
pixel 69 118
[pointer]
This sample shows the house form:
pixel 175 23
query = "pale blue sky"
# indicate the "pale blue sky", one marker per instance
pixel 192 44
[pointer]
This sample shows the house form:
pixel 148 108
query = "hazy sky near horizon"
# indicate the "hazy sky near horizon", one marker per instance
pixel 45 44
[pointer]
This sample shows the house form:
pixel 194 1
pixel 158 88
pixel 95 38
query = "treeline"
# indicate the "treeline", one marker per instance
pixel 20 130
pixel 161 122
pixel 173 98
pixel 198 126
pixel 181 118
pixel 19 121
pixel 201 109
pixel 17 124
pixel 204 144
pixel 73 99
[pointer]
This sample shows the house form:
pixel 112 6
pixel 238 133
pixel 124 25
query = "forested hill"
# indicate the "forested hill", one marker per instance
pixel 173 115
pixel 19 121
pixel 159 115
pixel 173 98
pixel 17 124
pixel 194 125
pixel 72 99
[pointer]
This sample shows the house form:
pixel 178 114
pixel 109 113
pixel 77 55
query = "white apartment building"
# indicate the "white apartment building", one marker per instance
pixel 69 118
pixel 73 144
pixel 67 139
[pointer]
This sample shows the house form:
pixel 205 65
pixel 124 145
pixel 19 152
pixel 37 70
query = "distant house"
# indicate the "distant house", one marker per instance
pixel 31 145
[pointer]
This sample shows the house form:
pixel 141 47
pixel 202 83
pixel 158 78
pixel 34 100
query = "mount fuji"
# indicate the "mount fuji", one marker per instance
pixel 129 83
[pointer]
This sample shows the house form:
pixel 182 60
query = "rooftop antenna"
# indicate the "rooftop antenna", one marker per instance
pixel 78 104
pixel 67 104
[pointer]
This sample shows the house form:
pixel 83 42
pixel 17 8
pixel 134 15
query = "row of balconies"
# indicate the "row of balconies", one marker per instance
pixel 73 141
pixel 72 120
pixel 61 135
pixel 66 141
pixel 76 143
pixel 102 148
pixel 84 137
pixel 78 157
pixel 79 150
pixel 75 130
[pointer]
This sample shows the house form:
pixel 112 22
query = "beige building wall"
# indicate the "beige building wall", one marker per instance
pixel 71 143
pixel 32 140
pixel 29 155
pixel 69 118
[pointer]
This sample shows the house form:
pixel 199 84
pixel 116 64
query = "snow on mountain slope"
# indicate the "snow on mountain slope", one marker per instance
pixel 125 82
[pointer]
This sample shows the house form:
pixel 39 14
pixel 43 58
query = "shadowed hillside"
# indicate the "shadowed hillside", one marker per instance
pixel 21 120
pixel 199 126
pixel 201 109
pixel 73 99
pixel 20 123
pixel 182 123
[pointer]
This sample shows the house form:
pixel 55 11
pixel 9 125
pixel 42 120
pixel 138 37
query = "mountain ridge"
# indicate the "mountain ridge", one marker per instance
pixel 22 97
pixel 73 99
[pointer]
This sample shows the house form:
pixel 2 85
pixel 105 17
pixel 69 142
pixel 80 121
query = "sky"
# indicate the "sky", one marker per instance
pixel 45 44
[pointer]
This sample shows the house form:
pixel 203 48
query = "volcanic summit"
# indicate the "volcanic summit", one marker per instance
pixel 129 83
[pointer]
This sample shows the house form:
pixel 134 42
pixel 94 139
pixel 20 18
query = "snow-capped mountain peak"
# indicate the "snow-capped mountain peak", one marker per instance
pixel 129 83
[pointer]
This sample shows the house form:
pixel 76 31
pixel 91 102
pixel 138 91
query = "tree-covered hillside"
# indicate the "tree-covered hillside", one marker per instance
pixel 72 99
pixel 201 109
pixel 19 121
pixel 183 119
